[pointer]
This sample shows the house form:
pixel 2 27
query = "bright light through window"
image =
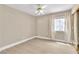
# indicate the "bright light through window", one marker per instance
pixel 59 24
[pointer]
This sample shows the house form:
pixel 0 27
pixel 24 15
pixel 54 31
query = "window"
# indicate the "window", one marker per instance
pixel 59 24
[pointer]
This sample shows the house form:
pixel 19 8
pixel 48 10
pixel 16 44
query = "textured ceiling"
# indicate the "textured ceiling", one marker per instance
pixel 31 8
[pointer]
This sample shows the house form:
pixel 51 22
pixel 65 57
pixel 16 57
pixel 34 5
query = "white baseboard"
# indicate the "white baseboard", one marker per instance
pixel 22 41
pixel 14 44
pixel 41 37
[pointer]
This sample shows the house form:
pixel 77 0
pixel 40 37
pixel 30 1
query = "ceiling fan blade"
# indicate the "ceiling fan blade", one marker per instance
pixel 41 6
pixel 44 6
pixel 40 9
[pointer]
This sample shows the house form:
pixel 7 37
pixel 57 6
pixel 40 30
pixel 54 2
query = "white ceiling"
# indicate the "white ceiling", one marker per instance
pixel 31 8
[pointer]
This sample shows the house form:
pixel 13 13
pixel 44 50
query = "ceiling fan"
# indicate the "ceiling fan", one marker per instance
pixel 40 9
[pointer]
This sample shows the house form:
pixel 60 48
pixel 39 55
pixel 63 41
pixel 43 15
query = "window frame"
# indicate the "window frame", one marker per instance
pixel 63 26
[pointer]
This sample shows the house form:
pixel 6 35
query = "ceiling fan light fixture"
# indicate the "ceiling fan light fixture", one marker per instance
pixel 39 10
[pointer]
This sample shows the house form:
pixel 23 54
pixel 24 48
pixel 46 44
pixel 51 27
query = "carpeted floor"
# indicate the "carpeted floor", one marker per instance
pixel 40 46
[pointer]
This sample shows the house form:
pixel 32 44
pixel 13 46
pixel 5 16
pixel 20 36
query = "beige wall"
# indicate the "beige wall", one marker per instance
pixel 44 27
pixel 15 25
pixel 43 23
